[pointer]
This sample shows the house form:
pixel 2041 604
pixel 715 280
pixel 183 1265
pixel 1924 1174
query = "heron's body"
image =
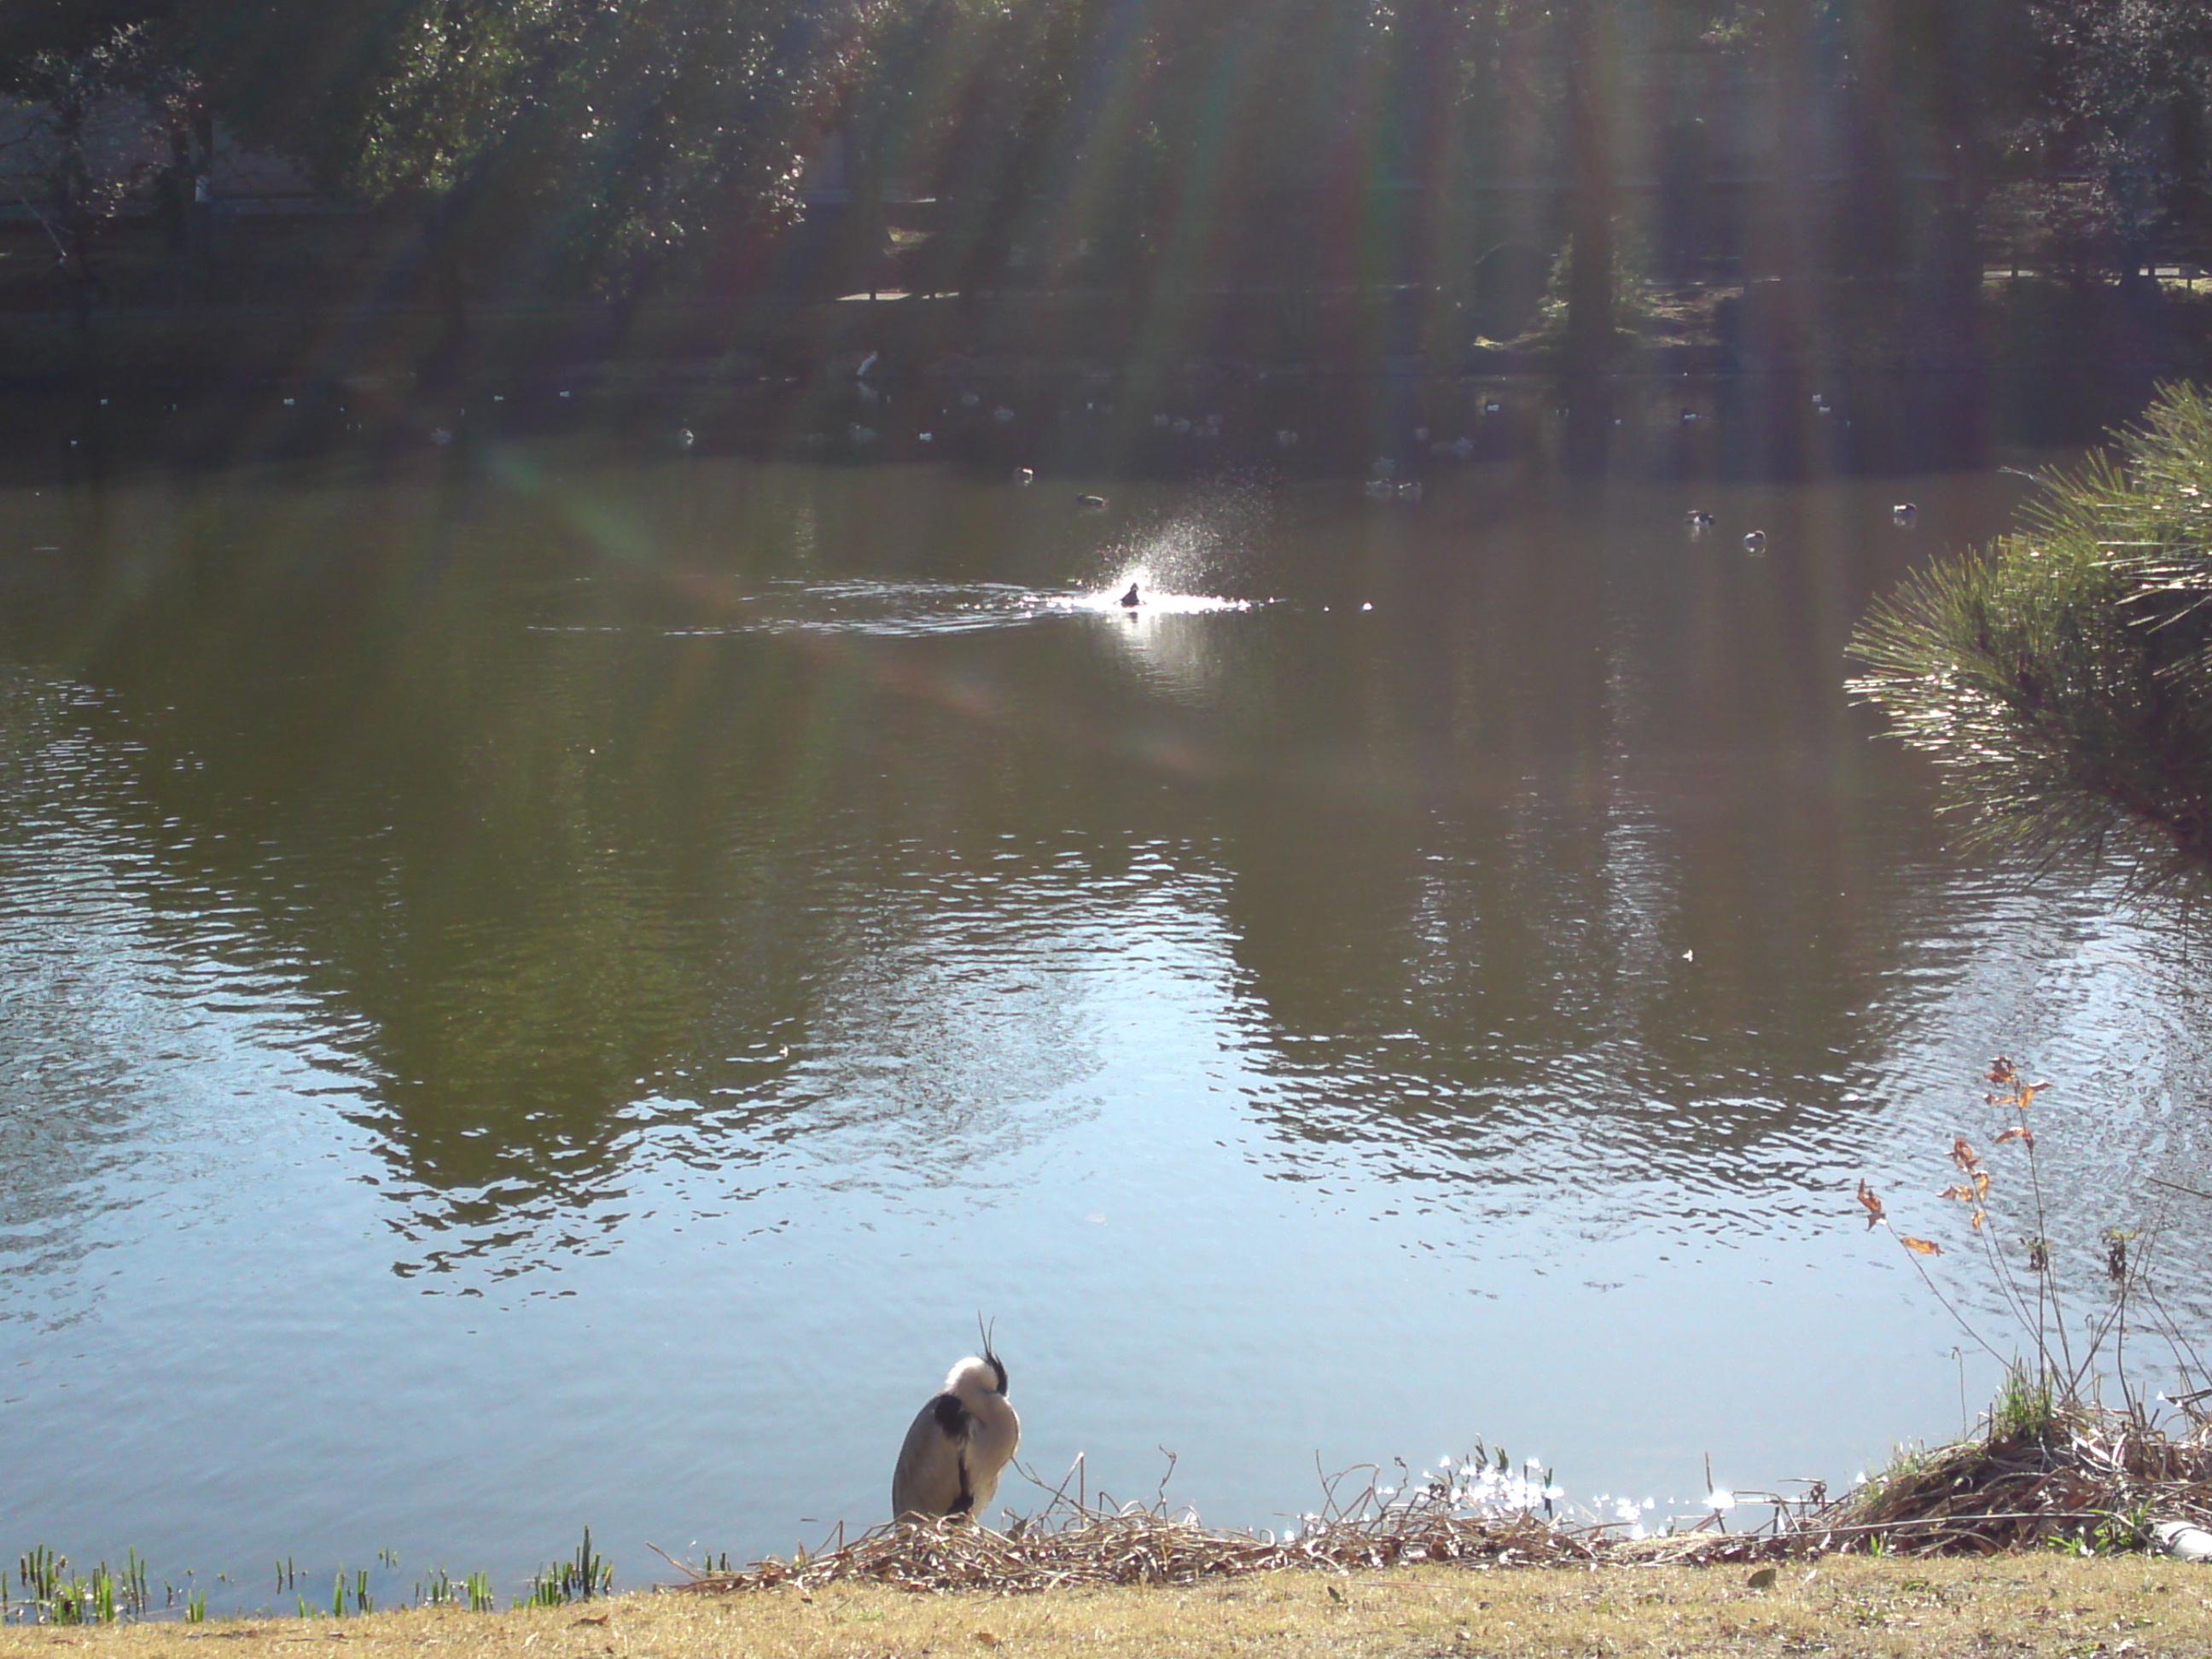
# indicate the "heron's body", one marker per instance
pixel 957 1446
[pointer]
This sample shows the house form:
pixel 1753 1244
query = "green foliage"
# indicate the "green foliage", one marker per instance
pixel 2024 1409
pixel 551 135
pixel 441 1591
pixel 577 1579
pixel 2125 98
pixel 64 81
pixel 55 1595
pixel 1632 310
pixel 2062 677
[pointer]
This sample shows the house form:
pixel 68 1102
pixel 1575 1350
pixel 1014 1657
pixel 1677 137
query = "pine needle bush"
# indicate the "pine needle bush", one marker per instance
pixel 2061 677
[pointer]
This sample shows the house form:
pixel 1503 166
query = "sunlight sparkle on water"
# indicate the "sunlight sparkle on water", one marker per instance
pixel 1153 600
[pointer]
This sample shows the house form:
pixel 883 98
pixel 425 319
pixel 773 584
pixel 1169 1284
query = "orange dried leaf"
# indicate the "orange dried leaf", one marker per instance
pixel 1962 1154
pixel 2025 1137
pixel 1978 1219
pixel 1874 1212
pixel 1919 1246
pixel 2025 1098
pixel 1981 1185
pixel 1964 1194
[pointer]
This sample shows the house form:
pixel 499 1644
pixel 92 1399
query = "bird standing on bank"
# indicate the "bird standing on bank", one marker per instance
pixel 959 1444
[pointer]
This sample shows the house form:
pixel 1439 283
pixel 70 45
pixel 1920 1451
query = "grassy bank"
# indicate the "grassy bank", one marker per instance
pixel 2035 1604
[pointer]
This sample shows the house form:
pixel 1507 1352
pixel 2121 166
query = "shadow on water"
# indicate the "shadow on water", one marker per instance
pixel 1199 420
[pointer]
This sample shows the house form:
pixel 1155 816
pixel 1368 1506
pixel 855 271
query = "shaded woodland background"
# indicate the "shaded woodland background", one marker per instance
pixel 1322 178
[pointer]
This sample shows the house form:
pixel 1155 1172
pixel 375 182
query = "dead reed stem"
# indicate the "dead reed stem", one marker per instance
pixel 2088 1479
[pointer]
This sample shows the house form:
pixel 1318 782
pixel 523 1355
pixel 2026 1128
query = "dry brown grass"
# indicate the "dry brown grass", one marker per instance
pixel 1070 1543
pixel 2076 1472
pixel 1844 1607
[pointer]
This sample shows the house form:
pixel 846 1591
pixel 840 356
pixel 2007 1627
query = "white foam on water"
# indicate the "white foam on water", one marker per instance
pixel 1153 600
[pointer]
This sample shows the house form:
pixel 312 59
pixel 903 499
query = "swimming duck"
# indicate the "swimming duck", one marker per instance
pixel 1130 600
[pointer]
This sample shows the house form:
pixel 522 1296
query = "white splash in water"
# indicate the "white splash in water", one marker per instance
pixel 1151 599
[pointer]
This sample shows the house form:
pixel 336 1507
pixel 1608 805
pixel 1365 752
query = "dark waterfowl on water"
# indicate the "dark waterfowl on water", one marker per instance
pixel 1130 600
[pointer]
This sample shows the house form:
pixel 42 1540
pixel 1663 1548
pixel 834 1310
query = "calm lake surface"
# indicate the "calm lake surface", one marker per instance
pixel 552 987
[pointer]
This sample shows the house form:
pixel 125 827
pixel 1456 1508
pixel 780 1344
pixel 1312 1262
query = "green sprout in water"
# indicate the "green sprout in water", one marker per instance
pixel 577 1580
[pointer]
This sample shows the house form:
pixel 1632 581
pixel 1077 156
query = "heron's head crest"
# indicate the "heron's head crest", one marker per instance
pixel 990 1354
pixel 985 1372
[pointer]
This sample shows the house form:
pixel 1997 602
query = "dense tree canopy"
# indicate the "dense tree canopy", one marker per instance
pixel 1330 141
pixel 560 130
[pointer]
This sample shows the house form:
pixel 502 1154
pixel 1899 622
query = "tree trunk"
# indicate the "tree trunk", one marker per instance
pixel 1590 256
pixel 445 364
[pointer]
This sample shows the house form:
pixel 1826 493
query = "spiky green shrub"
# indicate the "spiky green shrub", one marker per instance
pixel 2063 676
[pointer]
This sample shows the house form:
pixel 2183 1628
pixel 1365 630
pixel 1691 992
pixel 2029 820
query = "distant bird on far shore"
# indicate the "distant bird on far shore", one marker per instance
pixel 1091 503
pixel 959 1444
pixel 1905 512
pixel 1755 541
pixel 1698 520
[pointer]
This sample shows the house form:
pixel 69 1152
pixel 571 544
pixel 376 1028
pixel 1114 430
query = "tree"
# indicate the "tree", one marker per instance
pixel 2062 677
pixel 2124 94
pixel 562 140
pixel 79 72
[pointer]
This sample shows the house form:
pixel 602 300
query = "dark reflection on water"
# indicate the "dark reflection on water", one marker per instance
pixel 586 834
pixel 778 909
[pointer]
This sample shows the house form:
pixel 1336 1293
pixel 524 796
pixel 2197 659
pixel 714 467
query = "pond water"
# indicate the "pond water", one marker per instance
pixel 552 988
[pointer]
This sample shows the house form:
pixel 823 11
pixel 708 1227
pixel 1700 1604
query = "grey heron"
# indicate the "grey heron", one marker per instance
pixel 958 1444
